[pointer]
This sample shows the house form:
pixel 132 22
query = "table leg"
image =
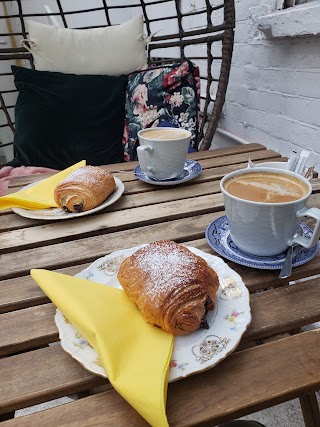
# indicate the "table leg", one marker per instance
pixel 310 410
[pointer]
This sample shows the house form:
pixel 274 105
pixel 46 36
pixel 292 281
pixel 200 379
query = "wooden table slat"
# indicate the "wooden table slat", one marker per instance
pixel 22 292
pixel 12 221
pixel 205 399
pixel 40 375
pixel 127 166
pixel 57 232
pixel 53 232
pixel 35 326
pixel 237 161
pixel 89 249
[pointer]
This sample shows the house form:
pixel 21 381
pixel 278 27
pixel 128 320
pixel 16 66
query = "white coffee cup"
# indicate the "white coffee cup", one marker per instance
pixel 162 152
pixel 267 229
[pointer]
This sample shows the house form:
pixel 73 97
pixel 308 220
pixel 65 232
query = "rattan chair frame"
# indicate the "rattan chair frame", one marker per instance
pixel 205 36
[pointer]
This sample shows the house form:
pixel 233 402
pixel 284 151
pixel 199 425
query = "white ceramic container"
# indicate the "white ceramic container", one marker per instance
pixel 267 229
pixel 163 159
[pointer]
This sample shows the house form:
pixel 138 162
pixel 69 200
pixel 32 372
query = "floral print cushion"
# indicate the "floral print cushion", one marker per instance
pixel 168 93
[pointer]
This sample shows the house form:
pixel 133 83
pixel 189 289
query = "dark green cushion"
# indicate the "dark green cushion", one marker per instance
pixel 61 118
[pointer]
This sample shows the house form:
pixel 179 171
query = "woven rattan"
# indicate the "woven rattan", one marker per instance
pixel 200 30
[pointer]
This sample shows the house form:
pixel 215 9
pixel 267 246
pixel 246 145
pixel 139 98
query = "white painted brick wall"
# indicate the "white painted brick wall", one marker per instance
pixel 273 95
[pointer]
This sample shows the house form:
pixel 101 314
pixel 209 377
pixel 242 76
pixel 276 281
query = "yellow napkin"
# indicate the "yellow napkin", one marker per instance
pixel 39 196
pixel 134 354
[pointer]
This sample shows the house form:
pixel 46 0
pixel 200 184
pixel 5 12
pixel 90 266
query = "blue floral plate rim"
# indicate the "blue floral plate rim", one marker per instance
pixel 191 170
pixel 218 237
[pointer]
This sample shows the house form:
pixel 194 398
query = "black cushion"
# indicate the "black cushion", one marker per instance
pixel 61 119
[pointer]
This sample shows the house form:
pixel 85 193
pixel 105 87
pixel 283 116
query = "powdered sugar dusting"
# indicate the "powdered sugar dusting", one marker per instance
pixel 166 267
pixel 88 175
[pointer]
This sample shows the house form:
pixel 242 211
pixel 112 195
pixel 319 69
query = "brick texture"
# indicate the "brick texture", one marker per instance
pixel 273 96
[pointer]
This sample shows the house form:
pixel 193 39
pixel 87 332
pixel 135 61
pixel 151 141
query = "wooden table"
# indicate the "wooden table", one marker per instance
pixel 274 362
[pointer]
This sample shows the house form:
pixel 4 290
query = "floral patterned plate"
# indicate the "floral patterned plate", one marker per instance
pixel 193 353
pixel 57 213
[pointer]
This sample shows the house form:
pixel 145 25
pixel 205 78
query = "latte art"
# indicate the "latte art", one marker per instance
pixel 266 187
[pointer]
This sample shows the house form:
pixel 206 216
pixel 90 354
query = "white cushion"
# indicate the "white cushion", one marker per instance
pixel 112 50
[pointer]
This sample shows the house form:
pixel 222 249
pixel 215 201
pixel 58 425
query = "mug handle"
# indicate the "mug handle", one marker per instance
pixel 143 158
pixel 304 241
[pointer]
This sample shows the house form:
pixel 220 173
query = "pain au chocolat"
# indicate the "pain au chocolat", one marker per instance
pixel 84 189
pixel 172 287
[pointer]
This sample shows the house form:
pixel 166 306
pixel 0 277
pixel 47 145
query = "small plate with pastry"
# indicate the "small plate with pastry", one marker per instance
pixel 194 295
pixel 85 191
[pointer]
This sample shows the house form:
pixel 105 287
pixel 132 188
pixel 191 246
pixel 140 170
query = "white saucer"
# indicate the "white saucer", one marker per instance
pixel 218 237
pixel 191 170
pixel 57 213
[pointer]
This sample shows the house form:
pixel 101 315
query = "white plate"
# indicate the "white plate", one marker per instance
pixel 193 353
pixel 57 213
pixel 191 170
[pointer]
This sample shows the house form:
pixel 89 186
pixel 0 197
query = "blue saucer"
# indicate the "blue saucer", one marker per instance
pixel 218 237
pixel 191 170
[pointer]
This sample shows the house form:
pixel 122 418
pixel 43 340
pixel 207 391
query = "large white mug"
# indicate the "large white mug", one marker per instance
pixel 162 152
pixel 264 228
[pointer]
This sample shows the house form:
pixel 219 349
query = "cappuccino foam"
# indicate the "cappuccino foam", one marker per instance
pixel 266 187
pixel 165 134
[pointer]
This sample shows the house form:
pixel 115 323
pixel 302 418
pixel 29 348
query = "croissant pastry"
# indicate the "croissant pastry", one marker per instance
pixel 84 189
pixel 172 287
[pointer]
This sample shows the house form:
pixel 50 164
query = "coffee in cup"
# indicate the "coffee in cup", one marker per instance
pixel 266 187
pixel 165 133
pixel 162 152
pixel 264 207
